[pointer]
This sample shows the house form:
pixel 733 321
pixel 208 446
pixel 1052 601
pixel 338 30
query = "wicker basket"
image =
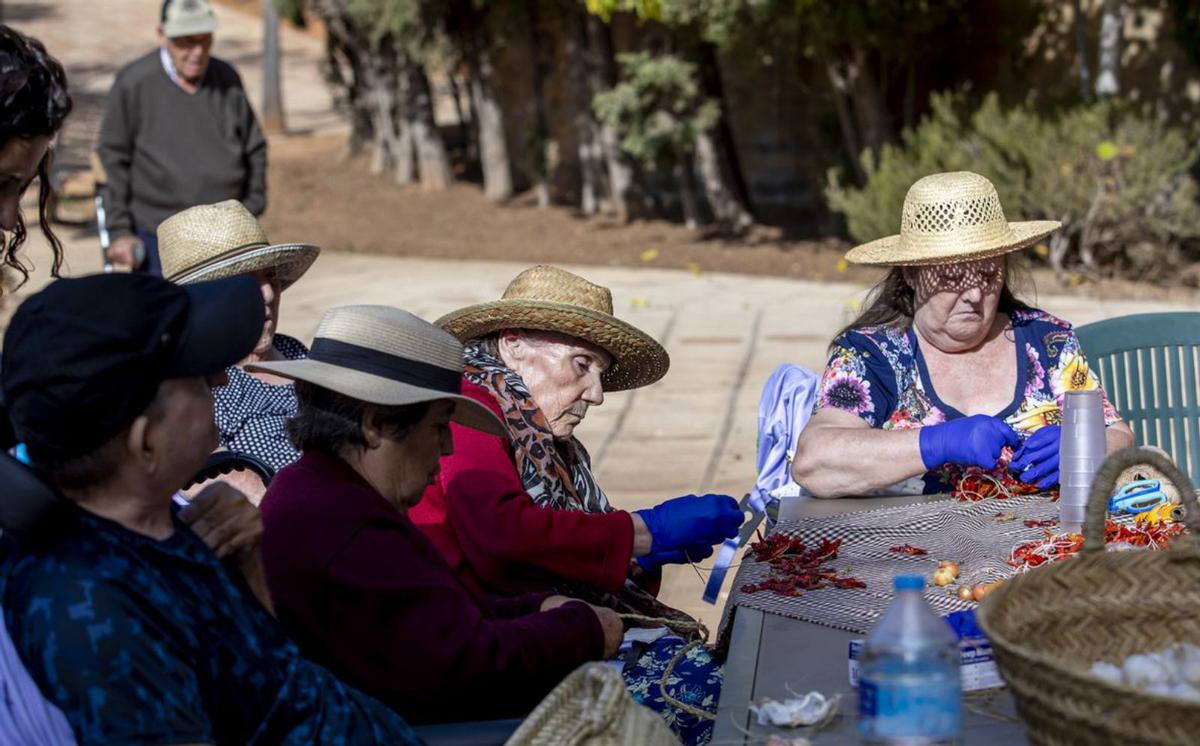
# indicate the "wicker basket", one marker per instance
pixel 1049 625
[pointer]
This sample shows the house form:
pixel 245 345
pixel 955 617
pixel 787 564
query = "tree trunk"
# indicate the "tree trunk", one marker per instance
pixel 465 132
pixel 604 70
pixel 591 178
pixel 731 216
pixel 738 209
pixel 874 119
pixel 493 147
pixel 436 173
pixel 541 135
pixel 687 194
pixel 1081 53
pixel 403 157
pixel 1108 69
pixel 272 103
pixel 840 85
pixel 383 80
pixel 344 70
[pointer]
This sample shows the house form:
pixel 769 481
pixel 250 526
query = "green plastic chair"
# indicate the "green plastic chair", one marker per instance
pixel 1149 365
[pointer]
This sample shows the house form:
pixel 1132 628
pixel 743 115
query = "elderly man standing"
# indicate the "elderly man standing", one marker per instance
pixel 178 131
pixel 136 619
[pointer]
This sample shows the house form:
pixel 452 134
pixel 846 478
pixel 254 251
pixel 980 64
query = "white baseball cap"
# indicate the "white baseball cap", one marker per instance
pixel 187 18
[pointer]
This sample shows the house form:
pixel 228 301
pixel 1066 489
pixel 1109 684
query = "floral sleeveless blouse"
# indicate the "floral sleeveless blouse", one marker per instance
pixel 879 374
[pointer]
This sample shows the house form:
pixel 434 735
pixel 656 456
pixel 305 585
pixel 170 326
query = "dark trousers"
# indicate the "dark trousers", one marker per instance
pixel 151 265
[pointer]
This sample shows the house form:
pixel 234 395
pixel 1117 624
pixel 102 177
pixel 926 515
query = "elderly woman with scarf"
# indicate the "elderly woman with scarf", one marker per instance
pixel 523 512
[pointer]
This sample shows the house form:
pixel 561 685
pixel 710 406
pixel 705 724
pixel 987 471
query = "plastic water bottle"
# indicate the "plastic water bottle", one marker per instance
pixel 910 687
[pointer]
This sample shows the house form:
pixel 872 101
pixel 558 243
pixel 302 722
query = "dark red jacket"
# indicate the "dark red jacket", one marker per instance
pixel 498 540
pixel 368 596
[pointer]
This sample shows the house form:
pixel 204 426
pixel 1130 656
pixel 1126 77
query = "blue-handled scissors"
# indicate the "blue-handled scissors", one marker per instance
pixel 1138 497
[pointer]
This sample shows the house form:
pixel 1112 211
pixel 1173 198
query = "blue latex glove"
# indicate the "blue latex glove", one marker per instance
pixel 654 561
pixel 968 441
pixel 689 521
pixel 1036 462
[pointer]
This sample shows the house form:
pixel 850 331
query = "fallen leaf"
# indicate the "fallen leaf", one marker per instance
pixel 638 301
pixel 649 255
pixel 694 268
pixel 842 265
pixel 1042 250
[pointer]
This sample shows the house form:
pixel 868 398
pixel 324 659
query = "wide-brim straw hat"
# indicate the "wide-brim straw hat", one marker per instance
pixel 951 217
pixel 208 242
pixel 551 299
pixel 389 357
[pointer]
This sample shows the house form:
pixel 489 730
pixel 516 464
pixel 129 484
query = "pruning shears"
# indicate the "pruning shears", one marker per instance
pixel 1138 497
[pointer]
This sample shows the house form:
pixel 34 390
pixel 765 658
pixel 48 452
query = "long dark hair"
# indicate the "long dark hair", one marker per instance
pixel 33 103
pixel 892 301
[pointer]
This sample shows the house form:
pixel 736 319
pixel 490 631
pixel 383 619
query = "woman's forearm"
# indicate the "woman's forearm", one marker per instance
pixel 835 462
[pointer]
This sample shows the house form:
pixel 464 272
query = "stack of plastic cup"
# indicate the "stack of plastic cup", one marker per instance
pixel 1082 449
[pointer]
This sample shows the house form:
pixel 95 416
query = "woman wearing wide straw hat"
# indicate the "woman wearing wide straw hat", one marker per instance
pixel 354 581
pixel 523 512
pixel 208 242
pixel 945 369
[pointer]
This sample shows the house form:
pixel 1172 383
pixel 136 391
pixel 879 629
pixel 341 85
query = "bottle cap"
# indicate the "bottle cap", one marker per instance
pixel 909 582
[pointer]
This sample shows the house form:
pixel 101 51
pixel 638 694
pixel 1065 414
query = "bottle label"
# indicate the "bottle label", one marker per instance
pixel 923 710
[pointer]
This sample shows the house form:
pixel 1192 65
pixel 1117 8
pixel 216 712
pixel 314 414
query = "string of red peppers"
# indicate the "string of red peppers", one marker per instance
pixel 1056 546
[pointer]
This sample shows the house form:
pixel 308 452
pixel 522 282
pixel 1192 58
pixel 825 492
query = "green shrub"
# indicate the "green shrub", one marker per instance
pixel 1120 181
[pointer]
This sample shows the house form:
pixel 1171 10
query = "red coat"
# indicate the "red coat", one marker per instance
pixel 497 539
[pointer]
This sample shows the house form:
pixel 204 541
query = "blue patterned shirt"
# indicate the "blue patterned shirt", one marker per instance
pixel 138 640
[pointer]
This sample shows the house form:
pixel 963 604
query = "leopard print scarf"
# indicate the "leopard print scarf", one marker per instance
pixel 556 474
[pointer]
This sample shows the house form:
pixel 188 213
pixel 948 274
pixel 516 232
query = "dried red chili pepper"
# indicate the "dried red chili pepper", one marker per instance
pixel 796 567
pixel 1034 523
pixel 909 549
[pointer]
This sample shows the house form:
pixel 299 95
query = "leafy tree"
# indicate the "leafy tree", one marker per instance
pixel 659 110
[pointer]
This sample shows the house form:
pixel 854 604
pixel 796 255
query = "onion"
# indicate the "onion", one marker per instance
pixel 950 565
pixel 965 593
pixel 943 576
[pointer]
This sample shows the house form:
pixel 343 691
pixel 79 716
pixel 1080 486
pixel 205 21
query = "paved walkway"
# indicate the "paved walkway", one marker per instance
pixel 692 432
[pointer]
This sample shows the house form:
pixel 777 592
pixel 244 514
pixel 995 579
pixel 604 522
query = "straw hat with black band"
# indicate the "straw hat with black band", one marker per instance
pixel 388 357
pixel 948 218
pixel 547 298
pixel 208 242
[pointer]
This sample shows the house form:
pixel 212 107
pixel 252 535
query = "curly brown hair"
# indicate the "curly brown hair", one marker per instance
pixel 34 102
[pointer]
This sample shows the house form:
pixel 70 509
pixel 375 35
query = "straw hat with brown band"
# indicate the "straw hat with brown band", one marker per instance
pixel 551 299
pixel 951 217
pixel 388 357
pixel 208 242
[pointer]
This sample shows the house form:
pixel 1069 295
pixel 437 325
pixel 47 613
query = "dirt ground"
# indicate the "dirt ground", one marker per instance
pixel 318 195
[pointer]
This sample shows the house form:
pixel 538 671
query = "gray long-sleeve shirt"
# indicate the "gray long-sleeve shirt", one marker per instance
pixel 165 150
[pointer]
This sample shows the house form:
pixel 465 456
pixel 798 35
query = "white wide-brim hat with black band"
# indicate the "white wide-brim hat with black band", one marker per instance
pixel 388 357
pixel 951 217
pixel 208 242
pixel 550 299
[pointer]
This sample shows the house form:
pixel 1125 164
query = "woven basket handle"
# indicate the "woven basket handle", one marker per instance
pixel 1106 482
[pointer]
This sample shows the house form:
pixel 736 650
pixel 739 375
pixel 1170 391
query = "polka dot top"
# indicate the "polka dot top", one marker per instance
pixel 252 415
